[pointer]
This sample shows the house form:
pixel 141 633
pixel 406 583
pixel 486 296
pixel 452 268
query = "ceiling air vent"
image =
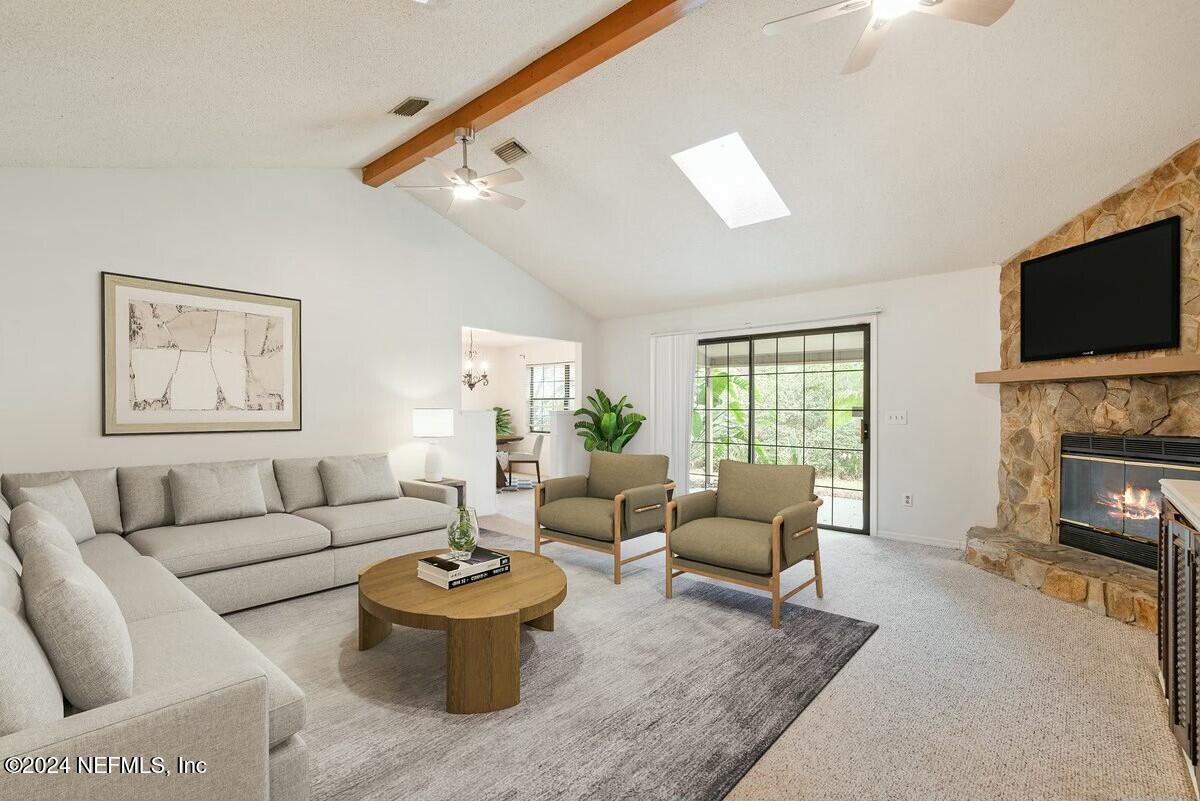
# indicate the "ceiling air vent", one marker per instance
pixel 510 151
pixel 410 107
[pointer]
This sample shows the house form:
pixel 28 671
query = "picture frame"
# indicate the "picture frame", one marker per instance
pixel 183 358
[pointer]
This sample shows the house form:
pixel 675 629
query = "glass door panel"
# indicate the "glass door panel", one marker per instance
pixel 797 398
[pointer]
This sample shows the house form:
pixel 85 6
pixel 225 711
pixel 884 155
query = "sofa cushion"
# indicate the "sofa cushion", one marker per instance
pixel 612 473
pixel 79 626
pixel 585 517
pixel 146 492
pixel 300 483
pixel 760 491
pixel 32 527
pixel 179 647
pixel 141 586
pixel 63 500
pixel 98 487
pixel 29 692
pixel 208 493
pixel 726 542
pixel 185 550
pixel 377 520
pixel 357 479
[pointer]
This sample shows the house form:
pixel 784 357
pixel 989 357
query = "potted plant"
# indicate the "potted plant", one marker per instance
pixel 607 426
pixel 503 421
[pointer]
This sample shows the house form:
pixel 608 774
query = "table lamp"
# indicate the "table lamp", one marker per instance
pixel 433 424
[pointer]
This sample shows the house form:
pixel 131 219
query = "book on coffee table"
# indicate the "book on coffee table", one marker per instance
pixel 446 571
pixel 436 577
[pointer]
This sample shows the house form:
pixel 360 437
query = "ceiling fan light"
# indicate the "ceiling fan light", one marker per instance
pixel 466 192
pixel 890 9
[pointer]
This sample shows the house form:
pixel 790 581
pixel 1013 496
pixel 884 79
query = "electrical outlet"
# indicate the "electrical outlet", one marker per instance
pixel 906 499
pixel 899 418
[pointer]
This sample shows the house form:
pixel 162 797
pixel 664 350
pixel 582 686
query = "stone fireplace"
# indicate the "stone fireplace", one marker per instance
pixel 1025 543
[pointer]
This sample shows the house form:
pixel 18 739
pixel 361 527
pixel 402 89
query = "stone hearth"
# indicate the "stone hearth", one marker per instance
pixel 1109 587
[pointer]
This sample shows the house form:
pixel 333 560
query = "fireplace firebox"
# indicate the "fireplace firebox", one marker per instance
pixel 1109 498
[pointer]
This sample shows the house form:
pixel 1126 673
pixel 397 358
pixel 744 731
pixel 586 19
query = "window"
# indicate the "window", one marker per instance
pixel 551 388
pixel 795 398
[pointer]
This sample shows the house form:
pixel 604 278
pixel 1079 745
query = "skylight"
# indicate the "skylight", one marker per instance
pixel 725 172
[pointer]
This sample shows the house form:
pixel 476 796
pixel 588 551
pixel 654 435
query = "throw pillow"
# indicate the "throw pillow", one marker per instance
pixel 34 527
pixel 63 500
pixel 80 627
pixel 208 493
pixel 358 479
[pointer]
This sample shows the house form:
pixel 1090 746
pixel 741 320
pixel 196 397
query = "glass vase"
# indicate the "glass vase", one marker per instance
pixel 463 533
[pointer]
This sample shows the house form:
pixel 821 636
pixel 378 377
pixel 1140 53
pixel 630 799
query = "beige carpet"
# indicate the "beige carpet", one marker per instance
pixel 973 687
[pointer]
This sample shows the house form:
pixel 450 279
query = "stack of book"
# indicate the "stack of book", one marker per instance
pixel 448 573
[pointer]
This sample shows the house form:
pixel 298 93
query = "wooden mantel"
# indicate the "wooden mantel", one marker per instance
pixel 1079 371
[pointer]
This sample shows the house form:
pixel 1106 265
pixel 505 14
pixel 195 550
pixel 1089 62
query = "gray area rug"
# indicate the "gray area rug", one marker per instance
pixel 632 696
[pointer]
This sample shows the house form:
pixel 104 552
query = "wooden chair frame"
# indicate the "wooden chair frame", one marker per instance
pixel 540 537
pixel 774 583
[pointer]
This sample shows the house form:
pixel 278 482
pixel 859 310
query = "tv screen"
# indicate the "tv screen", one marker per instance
pixel 1116 294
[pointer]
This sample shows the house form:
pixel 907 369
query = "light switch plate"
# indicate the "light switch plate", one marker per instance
pixel 899 418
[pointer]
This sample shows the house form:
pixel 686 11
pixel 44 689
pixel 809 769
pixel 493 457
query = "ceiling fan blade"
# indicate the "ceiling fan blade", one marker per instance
pixel 868 45
pixel 492 196
pixel 976 12
pixel 813 17
pixel 443 188
pixel 443 169
pixel 498 178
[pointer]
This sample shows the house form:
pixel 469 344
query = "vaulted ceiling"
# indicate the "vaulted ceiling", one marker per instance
pixel 958 146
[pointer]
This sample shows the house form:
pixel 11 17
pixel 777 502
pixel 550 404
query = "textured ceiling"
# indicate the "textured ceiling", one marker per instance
pixel 956 148
pixel 271 83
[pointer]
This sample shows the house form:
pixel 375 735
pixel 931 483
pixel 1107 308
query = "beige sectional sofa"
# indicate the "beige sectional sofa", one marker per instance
pixel 200 690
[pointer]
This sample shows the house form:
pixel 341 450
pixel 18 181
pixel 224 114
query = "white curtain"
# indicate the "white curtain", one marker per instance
pixel 673 376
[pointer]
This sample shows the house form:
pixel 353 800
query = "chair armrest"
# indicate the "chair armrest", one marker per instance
pixel 645 509
pixel 555 489
pixel 693 506
pixel 429 492
pixel 220 720
pixel 797 526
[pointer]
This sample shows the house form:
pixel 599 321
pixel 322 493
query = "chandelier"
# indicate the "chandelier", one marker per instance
pixel 473 377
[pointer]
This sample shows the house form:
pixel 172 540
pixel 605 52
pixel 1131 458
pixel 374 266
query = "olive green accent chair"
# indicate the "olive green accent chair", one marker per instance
pixel 760 521
pixel 622 497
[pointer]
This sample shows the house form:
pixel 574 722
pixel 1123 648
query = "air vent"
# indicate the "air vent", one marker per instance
pixel 410 107
pixel 1113 445
pixel 1153 447
pixel 510 151
pixel 1183 450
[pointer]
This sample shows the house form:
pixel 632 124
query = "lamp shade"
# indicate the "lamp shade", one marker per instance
pixel 433 422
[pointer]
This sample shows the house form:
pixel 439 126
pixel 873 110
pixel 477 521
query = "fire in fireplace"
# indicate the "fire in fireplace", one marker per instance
pixel 1109 496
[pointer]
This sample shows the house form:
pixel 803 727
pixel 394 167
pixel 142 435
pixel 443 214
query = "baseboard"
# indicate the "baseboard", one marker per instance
pixel 920 539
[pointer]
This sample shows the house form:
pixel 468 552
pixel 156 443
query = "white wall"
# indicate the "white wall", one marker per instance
pixel 386 286
pixel 933 334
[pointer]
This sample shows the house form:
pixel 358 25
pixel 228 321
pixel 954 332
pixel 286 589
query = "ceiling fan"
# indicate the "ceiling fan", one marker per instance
pixel 465 185
pixel 884 12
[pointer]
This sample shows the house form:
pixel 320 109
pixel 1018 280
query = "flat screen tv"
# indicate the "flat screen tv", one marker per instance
pixel 1113 295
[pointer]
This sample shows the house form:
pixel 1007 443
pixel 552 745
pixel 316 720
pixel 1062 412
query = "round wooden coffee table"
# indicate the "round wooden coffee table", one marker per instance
pixel 482 621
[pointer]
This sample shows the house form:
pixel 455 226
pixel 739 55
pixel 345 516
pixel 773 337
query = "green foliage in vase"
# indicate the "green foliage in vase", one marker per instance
pixel 462 534
pixel 503 421
pixel 606 425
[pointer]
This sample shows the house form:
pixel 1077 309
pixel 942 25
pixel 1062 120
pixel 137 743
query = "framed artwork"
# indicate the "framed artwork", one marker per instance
pixel 183 358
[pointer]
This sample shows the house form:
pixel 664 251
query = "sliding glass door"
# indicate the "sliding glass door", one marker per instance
pixel 792 398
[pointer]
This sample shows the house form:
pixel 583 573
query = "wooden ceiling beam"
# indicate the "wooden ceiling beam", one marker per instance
pixel 620 30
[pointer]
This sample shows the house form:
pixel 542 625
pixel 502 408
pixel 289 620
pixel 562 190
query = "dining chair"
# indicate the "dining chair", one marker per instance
pixel 527 457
